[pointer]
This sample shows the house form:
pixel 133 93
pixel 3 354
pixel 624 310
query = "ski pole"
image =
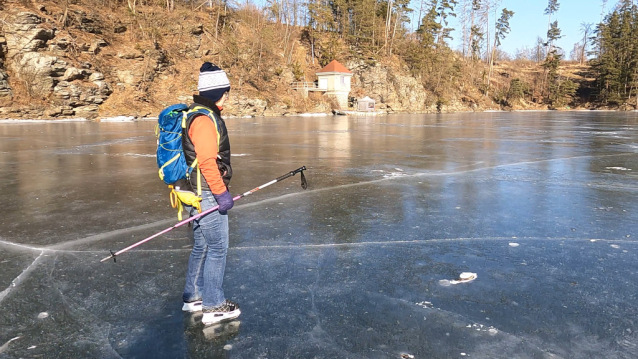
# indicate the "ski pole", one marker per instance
pixel 304 185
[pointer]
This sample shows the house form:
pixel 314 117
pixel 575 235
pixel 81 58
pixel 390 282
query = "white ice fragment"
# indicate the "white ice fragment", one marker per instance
pixel 615 246
pixel 31 347
pixel 118 119
pixel 493 331
pixel 467 276
pixel 463 354
pixel 398 169
pixel 618 168
pixel 239 154
pixel 463 278
pixel 425 304
pixel 457 207
pixel 228 347
pixel 513 244
pixel 43 315
pixel 592 240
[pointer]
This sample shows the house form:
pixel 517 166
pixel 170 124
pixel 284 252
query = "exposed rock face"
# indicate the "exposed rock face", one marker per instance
pixel 5 89
pixel 38 62
pixel 396 91
pixel 393 91
pixel 72 73
pixel 245 106
pixel 25 33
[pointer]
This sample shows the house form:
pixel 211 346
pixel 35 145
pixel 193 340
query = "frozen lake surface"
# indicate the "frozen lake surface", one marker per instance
pixel 543 207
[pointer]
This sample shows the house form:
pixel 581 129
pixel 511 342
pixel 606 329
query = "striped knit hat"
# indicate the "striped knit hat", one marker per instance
pixel 213 82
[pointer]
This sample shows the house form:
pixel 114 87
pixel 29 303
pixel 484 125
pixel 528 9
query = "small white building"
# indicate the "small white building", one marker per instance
pixel 334 79
pixel 365 104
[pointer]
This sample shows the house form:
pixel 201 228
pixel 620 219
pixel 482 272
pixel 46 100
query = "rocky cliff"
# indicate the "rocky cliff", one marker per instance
pixel 74 62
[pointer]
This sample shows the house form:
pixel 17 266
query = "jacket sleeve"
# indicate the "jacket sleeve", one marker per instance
pixel 205 138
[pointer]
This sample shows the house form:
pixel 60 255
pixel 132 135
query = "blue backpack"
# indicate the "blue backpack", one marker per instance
pixel 170 155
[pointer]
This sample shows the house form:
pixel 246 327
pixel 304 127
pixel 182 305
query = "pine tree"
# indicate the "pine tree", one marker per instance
pixel 444 10
pixel 429 28
pixel 501 31
pixel 551 9
pixel 616 66
pixel 559 91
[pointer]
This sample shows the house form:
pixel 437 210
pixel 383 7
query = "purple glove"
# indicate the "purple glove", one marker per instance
pixel 225 201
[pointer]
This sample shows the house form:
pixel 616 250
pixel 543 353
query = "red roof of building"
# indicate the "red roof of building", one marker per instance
pixel 335 66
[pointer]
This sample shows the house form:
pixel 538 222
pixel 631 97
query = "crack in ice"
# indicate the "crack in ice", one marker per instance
pixel 19 278
pixel 113 233
pixel 23 246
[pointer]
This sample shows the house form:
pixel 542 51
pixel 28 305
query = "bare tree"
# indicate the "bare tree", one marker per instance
pixel 585 30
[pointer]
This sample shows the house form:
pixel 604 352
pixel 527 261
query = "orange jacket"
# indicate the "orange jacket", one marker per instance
pixel 204 136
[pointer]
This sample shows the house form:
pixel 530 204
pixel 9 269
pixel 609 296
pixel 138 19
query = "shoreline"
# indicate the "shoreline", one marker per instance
pixel 122 119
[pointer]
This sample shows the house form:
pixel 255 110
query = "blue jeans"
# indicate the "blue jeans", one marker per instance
pixel 207 262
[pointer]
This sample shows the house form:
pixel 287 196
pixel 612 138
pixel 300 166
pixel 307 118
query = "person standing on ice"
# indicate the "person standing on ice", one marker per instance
pixel 206 140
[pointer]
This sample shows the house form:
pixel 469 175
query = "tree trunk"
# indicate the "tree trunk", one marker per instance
pixel 395 30
pixel 489 74
pixel 387 23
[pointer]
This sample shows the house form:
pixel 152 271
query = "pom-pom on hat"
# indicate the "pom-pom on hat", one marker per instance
pixel 213 82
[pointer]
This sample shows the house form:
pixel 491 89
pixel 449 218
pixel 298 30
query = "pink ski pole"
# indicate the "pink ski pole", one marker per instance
pixel 304 185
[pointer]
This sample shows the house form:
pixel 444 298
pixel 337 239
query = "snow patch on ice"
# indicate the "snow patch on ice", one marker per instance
pixel 618 168
pixel 118 119
pixel 394 174
pixel 312 114
pixel 483 328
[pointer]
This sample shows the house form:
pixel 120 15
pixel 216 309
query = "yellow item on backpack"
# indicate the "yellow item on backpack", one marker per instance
pixel 180 197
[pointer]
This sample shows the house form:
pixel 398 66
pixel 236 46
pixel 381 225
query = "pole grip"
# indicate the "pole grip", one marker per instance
pixel 291 173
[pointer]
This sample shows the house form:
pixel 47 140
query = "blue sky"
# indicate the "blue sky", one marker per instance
pixel 529 22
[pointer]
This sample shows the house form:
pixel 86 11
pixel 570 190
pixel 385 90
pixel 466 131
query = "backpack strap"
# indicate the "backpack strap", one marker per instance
pixel 189 115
